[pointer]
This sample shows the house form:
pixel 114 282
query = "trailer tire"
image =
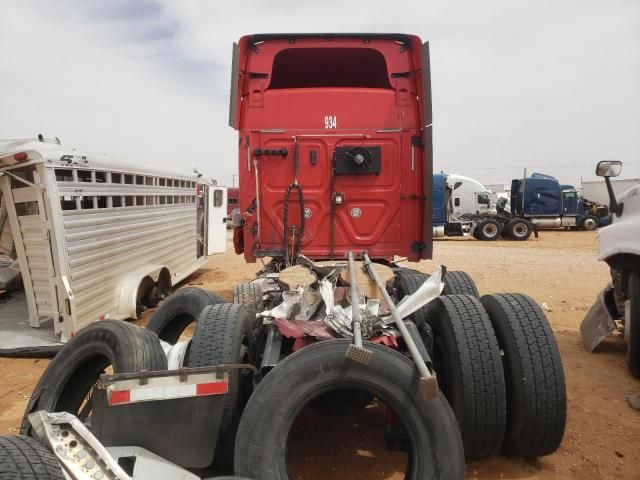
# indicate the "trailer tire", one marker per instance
pixel 519 229
pixel 488 230
pixel 179 310
pixel 459 283
pixel 248 294
pixel 431 428
pixel 67 380
pixel 224 335
pixel 536 395
pixel 467 362
pixel 633 348
pixel 25 458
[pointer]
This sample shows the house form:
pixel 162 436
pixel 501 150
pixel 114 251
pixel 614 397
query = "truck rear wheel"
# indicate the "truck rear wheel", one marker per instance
pixel 459 283
pixel 633 348
pixel 488 230
pixel 66 383
pixel 590 223
pixel 178 311
pixel 519 229
pixel 248 294
pixel 224 335
pixel 467 361
pixel 25 458
pixel 435 449
pixel 536 395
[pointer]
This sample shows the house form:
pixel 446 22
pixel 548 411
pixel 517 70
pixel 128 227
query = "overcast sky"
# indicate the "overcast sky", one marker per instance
pixel 549 85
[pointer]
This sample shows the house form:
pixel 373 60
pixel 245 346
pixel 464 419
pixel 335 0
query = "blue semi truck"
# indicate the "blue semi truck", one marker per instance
pixel 536 202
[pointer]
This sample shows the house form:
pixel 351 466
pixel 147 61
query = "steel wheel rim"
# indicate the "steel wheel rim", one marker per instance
pixel 520 229
pixel 490 230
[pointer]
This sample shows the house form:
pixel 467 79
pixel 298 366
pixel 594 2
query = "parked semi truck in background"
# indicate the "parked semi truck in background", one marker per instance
pixel 546 202
pixel 462 205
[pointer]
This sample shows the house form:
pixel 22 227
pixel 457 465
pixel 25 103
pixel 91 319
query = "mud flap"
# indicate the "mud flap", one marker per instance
pixel 598 323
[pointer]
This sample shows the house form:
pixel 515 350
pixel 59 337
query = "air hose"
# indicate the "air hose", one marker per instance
pixel 296 246
pixel 295 250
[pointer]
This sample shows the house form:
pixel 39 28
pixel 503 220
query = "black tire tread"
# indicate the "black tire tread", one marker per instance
pixel 633 349
pixel 130 348
pixel 215 342
pixel 407 283
pixel 536 427
pixel 27 459
pixel 482 416
pixel 188 301
pixel 246 294
pixel 459 283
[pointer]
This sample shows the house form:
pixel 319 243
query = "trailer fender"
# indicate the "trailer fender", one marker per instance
pixel 129 289
pixel 598 323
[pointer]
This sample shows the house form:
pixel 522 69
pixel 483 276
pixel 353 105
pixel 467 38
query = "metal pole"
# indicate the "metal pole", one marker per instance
pixel 356 351
pixel 428 382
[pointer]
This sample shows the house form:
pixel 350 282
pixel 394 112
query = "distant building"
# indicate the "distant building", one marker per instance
pixel 498 187
pixel 596 190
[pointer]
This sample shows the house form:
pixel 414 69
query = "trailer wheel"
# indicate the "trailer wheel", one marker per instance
pixel 536 395
pixel 248 294
pixel 519 229
pixel 590 223
pixel 434 440
pixel 459 283
pixel 224 335
pixel 467 361
pixel 488 230
pixel 25 458
pixel 67 381
pixel 633 348
pixel 178 311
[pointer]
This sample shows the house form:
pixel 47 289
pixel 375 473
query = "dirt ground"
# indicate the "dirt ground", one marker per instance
pixel 560 269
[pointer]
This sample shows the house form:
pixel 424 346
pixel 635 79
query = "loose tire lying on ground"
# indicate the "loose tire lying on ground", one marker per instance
pixel 178 311
pixel 536 396
pixel 467 362
pixel 224 335
pixel 261 443
pixel 25 458
pixel 67 380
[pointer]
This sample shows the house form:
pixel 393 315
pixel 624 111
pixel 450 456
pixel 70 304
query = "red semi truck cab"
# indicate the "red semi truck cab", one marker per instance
pixel 335 145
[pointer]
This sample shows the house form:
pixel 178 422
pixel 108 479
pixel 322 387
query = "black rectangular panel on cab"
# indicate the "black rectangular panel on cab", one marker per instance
pixel 358 160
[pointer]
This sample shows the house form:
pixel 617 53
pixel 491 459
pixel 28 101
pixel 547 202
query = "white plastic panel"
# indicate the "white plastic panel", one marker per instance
pixel 216 220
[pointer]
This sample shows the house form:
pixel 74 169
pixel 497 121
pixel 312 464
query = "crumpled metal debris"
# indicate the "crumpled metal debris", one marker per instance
pixel 303 305
pixel 428 291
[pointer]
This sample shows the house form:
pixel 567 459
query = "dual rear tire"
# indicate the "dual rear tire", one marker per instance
pixel 499 366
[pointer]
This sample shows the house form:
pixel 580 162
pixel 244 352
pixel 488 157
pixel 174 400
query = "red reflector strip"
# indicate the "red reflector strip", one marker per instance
pixel 214 388
pixel 20 156
pixel 120 396
pixel 153 393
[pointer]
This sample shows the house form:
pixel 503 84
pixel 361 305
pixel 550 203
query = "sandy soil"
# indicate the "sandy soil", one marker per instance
pixel 559 269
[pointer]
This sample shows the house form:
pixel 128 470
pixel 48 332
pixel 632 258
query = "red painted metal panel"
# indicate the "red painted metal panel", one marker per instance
pixel 382 211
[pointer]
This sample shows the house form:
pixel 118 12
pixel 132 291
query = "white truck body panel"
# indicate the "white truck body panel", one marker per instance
pixel 470 196
pixel 623 235
pixel 88 232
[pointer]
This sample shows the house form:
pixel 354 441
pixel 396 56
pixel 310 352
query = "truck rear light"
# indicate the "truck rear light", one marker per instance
pixel 20 157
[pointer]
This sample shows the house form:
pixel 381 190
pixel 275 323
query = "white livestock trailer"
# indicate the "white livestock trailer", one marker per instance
pixel 97 239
